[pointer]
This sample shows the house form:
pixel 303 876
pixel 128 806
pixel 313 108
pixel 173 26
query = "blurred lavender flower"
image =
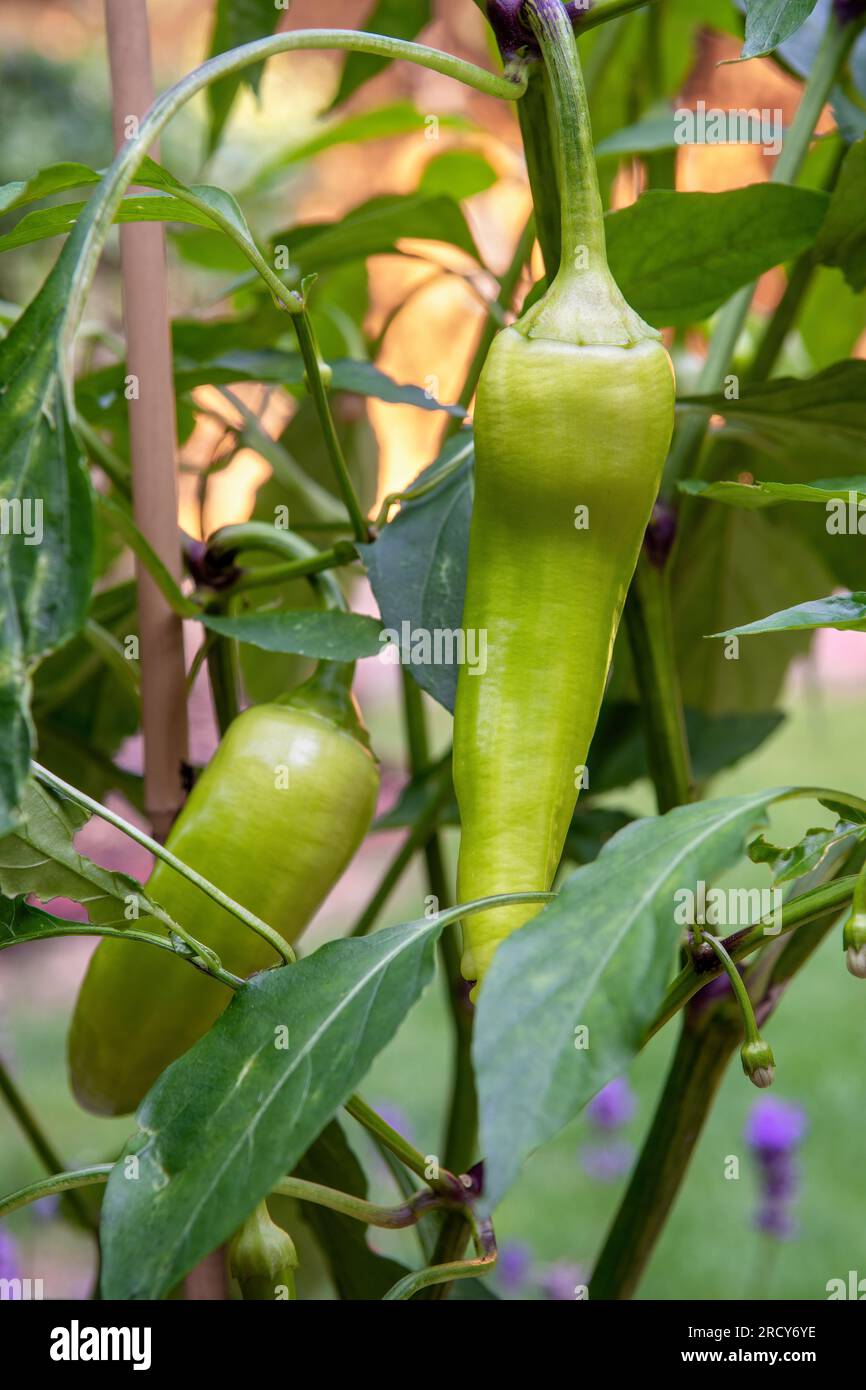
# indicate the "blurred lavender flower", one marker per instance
pixel 774 1132
pixel 607 1162
pixel 514 1265
pixel 614 1106
pixel 559 1281
pixel 9 1266
pixel 396 1118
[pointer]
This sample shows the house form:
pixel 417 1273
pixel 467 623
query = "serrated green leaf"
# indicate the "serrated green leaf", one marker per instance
pixel 808 854
pixel 239 1110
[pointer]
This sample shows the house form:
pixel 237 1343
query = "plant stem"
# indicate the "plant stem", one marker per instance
pixel 603 11
pixel 41 1145
pixel 92 229
pixel 797 912
pixel 438 792
pixel 462 1124
pixel 694 1077
pixel 650 631
pixel 199 960
pixel 316 386
pixel 507 290
pixel 412 494
pixel 446 1184
pixel 439 1277
pixel 59 1182
pixel 395 1218
pixel 541 167
pixel 685 460
pixel 319 563
pixel 223 669
pixel 581 212
pixel 249 919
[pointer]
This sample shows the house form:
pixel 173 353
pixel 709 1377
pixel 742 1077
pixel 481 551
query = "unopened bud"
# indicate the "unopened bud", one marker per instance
pixel 759 1064
pixel 262 1258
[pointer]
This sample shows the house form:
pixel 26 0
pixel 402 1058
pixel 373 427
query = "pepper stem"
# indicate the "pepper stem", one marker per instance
pixel 584 306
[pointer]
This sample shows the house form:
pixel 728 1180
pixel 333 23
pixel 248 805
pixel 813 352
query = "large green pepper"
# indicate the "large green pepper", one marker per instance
pixel 573 420
pixel 273 821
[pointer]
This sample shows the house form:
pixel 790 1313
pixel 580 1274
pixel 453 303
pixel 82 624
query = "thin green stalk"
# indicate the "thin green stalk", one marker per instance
pixel 504 300
pixel 438 792
pixel 696 1072
pixel 738 988
pixel 92 229
pixel 314 369
pixel 603 11
pixel 446 1184
pixel 462 1123
pixel 685 458
pixel 395 1218
pixel 41 1145
pixel 448 1254
pixel 440 1276
pixel 223 669
pixel 541 167
pixel 797 912
pixel 58 1182
pixel 412 494
pixel 249 919
pixel 306 559
pixel 265 577
pixel 650 631
pixel 56 928
pixel 581 213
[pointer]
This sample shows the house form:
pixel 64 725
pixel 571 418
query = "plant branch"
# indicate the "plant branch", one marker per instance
pixel 249 919
pixel 41 1145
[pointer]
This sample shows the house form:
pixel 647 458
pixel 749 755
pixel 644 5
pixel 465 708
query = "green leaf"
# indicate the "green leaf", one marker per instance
pixel 458 174
pixel 400 19
pixel 845 612
pixel 357 1271
pixel 382 123
pixel 842 239
pixel 732 566
pixel 810 853
pixel 771 22
pixel 756 495
pixel 417 569
pixel 678 256
pixel 58 221
pixel 56 178
pixel 40 859
pixel 375 228
pixel 20 922
pixel 236 1112
pixel 654 131
pixel 235 22
pixel 45 497
pixel 824 415
pixel 599 957
pixel 330 636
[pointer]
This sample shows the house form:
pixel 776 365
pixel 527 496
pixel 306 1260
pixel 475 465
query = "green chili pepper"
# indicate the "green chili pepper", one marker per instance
pixel 573 420
pixel 273 821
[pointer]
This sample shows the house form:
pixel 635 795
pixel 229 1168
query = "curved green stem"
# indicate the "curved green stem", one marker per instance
pixel 49 1187
pixel 305 559
pixel 198 960
pixel 315 373
pixel 581 211
pixel 741 994
pixel 446 1184
pixel 412 494
pixel 249 919
pixel 40 1143
pixel 92 230
pixel 396 1218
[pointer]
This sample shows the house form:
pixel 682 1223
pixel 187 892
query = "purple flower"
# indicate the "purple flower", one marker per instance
pixel 9 1266
pixel 774 1126
pixel 613 1106
pixel 560 1281
pixel 607 1162
pixel 513 1265
pixel 774 1131
pixel 849 9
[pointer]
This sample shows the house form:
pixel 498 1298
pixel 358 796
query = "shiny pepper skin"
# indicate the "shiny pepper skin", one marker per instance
pixel 558 427
pixel 273 821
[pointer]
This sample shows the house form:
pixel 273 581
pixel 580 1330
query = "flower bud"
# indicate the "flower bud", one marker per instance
pixel 854 944
pixel 262 1258
pixel 759 1064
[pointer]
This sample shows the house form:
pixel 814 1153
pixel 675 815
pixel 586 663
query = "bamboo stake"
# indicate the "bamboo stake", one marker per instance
pixel 152 433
